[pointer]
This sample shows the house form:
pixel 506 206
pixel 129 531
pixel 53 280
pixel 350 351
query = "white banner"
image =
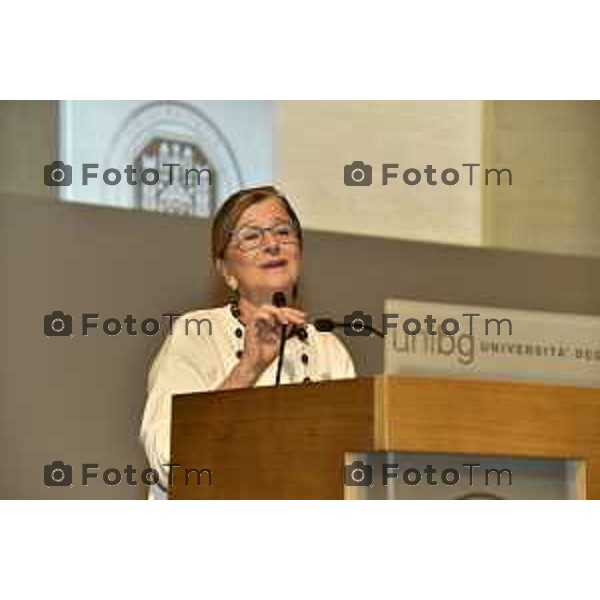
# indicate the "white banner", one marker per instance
pixel 491 343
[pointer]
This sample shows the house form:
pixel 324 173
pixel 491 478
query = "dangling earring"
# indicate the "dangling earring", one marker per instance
pixel 233 297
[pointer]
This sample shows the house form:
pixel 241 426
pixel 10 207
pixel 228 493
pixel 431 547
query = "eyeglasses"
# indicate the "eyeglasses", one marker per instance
pixel 252 237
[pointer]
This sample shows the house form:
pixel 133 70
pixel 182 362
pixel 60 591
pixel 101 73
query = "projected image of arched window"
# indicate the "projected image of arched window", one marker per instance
pixel 171 157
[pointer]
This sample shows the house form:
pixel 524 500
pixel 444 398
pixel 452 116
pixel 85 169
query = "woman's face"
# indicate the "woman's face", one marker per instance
pixel 263 264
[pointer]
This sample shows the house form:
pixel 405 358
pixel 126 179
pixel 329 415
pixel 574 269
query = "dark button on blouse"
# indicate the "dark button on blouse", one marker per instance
pixel 238 332
pixel 306 379
pixel 305 358
pixel 239 354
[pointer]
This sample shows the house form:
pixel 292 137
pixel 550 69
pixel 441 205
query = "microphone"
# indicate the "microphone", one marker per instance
pixel 279 301
pixel 327 325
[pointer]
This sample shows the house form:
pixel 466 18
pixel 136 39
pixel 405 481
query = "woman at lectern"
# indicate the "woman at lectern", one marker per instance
pixel 257 249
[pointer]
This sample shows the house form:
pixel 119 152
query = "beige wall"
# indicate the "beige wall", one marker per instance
pixel 316 139
pixel 553 149
pixel 28 141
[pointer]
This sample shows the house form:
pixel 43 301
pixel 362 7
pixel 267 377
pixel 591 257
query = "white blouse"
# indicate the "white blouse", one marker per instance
pixel 202 349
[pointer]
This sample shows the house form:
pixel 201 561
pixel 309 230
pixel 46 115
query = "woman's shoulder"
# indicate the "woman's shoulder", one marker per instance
pixel 193 326
pixel 195 340
pixel 334 353
pixel 325 339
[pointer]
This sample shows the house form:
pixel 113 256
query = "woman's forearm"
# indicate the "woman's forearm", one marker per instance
pixel 241 376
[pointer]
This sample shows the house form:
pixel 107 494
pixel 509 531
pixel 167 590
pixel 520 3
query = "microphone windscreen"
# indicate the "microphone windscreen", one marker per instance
pixel 324 325
pixel 279 300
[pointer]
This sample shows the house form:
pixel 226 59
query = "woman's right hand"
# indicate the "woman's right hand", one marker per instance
pixel 263 336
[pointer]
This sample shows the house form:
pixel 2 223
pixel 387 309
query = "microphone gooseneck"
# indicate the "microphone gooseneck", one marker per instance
pixel 279 301
pixel 326 325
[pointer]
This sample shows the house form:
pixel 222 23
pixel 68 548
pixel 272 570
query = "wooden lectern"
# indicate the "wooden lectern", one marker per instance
pixel 289 442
